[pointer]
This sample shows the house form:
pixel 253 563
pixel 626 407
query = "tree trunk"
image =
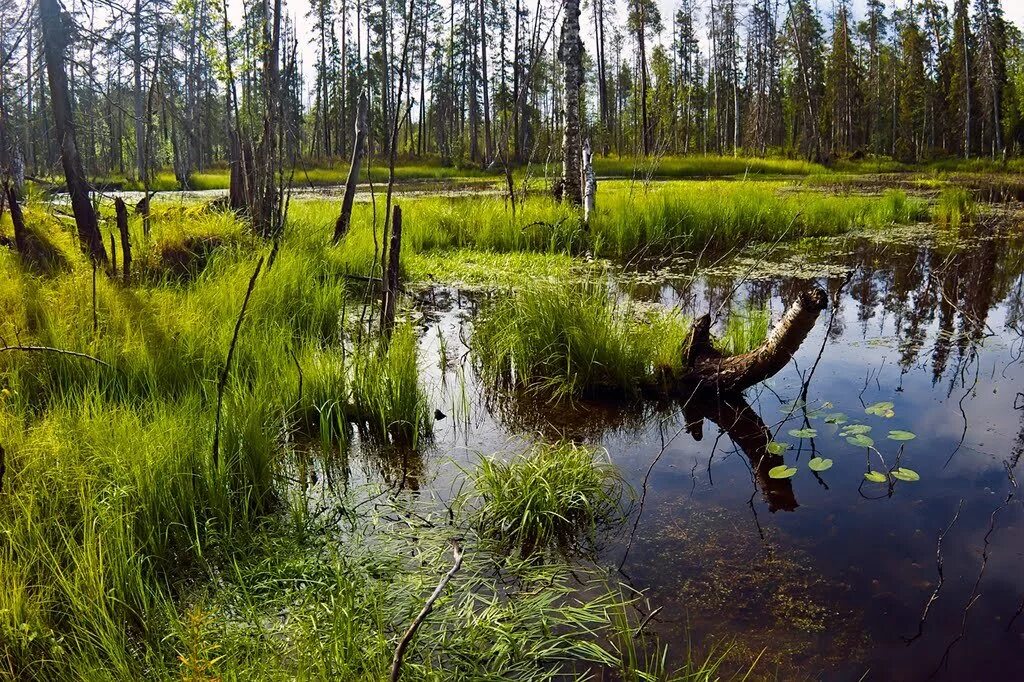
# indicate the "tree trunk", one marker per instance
pixel 571 49
pixel 488 142
pixel 358 149
pixel 122 228
pixel 391 283
pixel 20 233
pixel 54 44
pixel 589 183
pixel 706 367
pixel 140 135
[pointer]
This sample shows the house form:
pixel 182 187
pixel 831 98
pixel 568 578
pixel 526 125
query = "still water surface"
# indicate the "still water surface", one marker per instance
pixel 828 574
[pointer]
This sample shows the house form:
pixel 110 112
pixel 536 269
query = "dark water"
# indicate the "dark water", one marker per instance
pixel 825 576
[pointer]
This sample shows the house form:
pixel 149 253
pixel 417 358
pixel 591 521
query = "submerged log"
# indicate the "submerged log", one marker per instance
pixel 705 366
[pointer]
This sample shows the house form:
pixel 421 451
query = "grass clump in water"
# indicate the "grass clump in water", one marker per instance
pixel 570 341
pixel 553 497
pixel 954 206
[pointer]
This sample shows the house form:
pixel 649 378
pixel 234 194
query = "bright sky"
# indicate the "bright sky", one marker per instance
pixel 1012 9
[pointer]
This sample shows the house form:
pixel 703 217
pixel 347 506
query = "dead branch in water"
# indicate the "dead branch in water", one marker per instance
pixel 396 663
pixel 938 586
pixel 227 363
pixel 704 364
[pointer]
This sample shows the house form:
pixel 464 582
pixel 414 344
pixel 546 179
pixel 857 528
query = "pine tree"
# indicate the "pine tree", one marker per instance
pixel 961 85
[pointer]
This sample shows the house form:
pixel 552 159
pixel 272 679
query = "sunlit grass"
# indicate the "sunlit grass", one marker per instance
pixel 954 206
pixel 703 166
pixel 553 497
pixel 569 341
pixel 744 331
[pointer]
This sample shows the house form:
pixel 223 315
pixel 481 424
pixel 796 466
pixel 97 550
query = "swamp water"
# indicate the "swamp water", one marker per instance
pixel 822 575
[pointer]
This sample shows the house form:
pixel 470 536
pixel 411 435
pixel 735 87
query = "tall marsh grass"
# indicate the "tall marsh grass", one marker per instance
pixel 553 497
pixel 568 341
pixel 630 218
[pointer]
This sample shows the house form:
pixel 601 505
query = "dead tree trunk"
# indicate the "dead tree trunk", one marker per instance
pixel 391 284
pixel 54 44
pixel 20 234
pixel 341 226
pixel 122 227
pixel 705 366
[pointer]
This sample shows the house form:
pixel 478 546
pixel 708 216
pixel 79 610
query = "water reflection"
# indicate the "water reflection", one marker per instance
pixel 833 587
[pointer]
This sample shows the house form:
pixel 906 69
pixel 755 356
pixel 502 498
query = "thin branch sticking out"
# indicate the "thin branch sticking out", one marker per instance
pixel 396 663
pixel 60 351
pixel 227 363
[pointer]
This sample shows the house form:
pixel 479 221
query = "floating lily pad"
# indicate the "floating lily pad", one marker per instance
pixel 793 405
pixel 855 429
pixel 882 409
pixel 803 433
pixel 777 448
pixel 902 435
pixel 781 471
pixel 860 440
pixel 875 477
pixel 819 464
pixel 835 418
pixel 904 474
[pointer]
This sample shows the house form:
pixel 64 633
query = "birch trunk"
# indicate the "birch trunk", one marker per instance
pixel 571 49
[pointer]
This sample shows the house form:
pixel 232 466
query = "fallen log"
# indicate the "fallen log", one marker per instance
pixel 706 367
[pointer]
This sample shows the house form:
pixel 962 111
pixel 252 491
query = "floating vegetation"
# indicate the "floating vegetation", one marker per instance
pixel 904 474
pixel 819 464
pixel 901 435
pixel 881 409
pixel 782 471
pixel 803 433
pixel 860 440
pixel 875 477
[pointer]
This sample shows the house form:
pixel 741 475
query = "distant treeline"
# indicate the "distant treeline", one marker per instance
pixel 156 83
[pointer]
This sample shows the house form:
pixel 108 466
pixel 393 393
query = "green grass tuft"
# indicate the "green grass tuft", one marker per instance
pixel 553 497
pixel 575 340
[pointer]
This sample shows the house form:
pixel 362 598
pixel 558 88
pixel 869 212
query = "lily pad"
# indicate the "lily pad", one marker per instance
pixel 860 440
pixel 902 435
pixel 835 418
pixel 855 429
pixel 777 448
pixel 819 464
pixel 781 471
pixel 905 474
pixel 875 477
pixel 882 409
pixel 803 433
pixel 793 405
